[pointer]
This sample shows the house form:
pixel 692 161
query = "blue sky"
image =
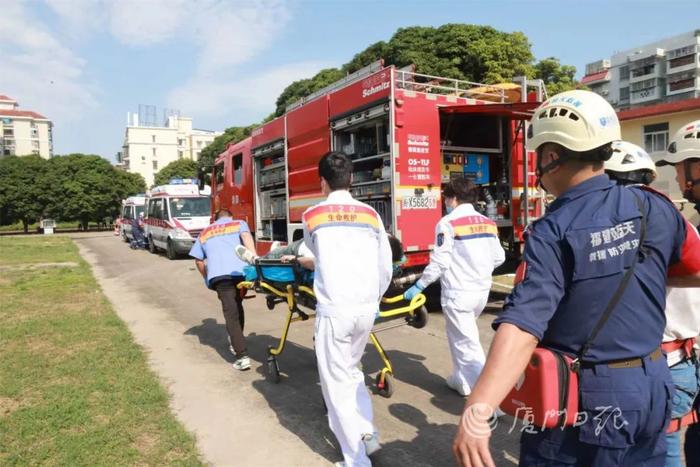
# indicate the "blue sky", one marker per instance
pixel 86 63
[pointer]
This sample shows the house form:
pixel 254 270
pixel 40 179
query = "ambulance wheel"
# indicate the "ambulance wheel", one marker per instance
pixel 420 318
pixel 152 246
pixel 170 251
pixel 270 302
pixel 273 370
pixel 386 388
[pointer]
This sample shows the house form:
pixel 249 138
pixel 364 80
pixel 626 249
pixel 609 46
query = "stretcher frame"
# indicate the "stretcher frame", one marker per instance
pixel 296 294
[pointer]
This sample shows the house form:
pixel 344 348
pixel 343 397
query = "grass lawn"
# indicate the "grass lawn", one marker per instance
pixel 74 387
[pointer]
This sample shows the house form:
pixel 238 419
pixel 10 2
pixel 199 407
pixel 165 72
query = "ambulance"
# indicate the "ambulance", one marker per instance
pixel 176 214
pixel 132 207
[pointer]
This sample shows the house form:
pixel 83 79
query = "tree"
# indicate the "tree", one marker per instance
pixel 212 151
pixel 556 77
pixel 22 190
pixel 82 188
pixel 303 87
pixel 181 168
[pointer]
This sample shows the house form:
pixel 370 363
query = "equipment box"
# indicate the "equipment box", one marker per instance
pixel 477 168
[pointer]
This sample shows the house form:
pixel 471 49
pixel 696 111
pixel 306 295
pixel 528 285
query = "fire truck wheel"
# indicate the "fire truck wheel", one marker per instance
pixel 152 246
pixel 272 372
pixel 170 251
pixel 420 318
pixel 386 388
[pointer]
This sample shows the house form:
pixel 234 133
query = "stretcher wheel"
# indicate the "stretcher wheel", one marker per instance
pixel 385 388
pixel 420 318
pixel 270 302
pixel 273 370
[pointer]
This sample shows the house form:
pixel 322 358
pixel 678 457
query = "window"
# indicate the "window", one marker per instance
pixel 645 70
pixel 679 84
pixel 624 94
pixel 219 174
pixel 153 138
pixel 681 61
pixel 155 165
pixel 8 131
pixel 625 72
pixel 143 159
pixel 190 207
pixel 35 152
pixel 656 137
pixel 125 212
pixel 154 151
pixel 180 142
pixel 238 169
pixel 35 144
pixel 199 144
pixel 179 154
pixel 155 209
pixel 690 49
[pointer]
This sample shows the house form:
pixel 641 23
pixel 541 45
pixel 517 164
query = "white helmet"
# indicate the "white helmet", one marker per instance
pixel 628 157
pixel 630 164
pixel 578 120
pixel 684 145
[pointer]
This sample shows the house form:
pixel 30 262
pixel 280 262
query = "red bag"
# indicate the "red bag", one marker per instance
pixel 546 395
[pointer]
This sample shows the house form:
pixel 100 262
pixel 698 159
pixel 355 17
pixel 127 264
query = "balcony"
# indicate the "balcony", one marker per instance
pixel 682 84
pixel 645 72
pixel 680 64
pixel 645 95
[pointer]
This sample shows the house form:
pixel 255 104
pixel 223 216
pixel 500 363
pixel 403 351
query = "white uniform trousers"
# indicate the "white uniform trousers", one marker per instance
pixel 463 337
pixel 340 343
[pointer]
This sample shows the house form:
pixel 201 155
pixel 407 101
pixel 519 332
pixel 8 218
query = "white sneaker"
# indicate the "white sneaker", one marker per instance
pixel 371 442
pixel 242 364
pixel 453 384
pixel 245 254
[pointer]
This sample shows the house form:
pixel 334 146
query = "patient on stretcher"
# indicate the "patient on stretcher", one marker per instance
pixel 299 252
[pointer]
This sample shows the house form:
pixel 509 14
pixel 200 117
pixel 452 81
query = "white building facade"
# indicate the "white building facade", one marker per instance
pixel 147 148
pixel 664 71
pixel 24 132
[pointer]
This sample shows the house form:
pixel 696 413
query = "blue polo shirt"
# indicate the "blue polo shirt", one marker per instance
pixel 217 244
pixel 574 260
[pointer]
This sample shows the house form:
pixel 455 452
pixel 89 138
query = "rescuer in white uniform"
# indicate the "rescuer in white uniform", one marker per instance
pixel 353 270
pixel 467 250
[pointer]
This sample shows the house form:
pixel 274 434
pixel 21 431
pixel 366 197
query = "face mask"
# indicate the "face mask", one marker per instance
pixel 449 209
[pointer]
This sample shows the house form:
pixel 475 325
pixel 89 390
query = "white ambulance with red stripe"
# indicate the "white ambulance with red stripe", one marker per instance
pixel 176 214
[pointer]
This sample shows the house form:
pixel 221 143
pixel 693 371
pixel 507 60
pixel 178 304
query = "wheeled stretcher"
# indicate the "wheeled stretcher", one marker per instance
pixel 289 283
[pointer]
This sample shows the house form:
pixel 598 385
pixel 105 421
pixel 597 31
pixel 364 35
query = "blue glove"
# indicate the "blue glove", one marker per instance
pixel 412 292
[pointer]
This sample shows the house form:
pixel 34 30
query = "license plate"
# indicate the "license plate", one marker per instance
pixel 419 202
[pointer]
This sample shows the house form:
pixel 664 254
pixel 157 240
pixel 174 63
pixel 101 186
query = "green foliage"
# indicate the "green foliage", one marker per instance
pixel 304 87
pixel 75 187
pixel 22 196
pixel 556 77
pixel 212 151
pixel 181 168
pixel 461 51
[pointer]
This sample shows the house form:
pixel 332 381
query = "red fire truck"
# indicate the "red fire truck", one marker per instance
pixel 407 134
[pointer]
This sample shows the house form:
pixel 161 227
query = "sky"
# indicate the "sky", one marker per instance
pixel 85 63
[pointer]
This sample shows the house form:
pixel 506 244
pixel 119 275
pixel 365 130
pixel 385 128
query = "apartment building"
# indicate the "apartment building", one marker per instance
pixel 148 148
pixel 667 70
pixel 24 132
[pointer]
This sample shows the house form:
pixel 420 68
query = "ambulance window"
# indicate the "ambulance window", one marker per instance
pixel 219 173
pixel 125 212
pixel 238 169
